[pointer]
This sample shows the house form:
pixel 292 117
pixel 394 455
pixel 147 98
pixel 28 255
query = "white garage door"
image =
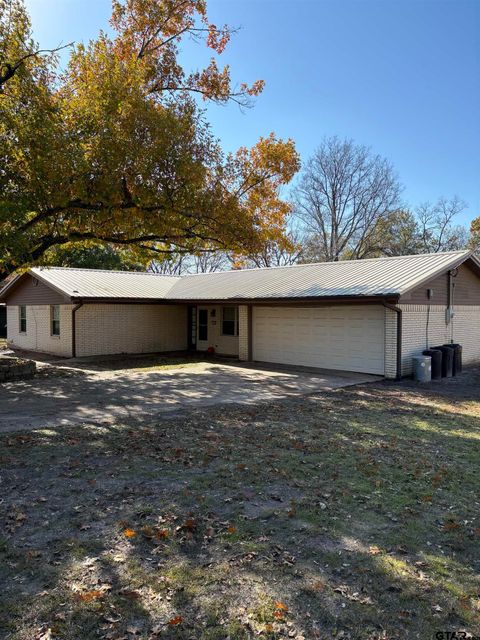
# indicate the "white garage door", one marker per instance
pixel 343 337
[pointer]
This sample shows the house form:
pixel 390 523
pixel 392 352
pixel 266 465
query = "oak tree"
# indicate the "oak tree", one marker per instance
pixel 115 148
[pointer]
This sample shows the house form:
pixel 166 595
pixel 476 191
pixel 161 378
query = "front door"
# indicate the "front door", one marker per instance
pixel 202 328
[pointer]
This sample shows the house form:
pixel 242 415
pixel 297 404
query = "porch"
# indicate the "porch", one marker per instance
pixel 221 327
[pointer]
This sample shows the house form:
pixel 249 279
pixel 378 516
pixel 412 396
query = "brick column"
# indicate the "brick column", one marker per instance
pixel 391 319
pixel 243 333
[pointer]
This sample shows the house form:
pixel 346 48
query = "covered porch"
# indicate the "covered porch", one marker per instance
pixel 221 327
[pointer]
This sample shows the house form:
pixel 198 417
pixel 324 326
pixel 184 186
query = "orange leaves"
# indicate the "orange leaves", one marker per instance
pixel 281 610
pixel 256 176
pixel 232 529
pixel 218 39
pixel 255 89
pixel 151 532
pixel 451 525
pixel 175 621
pixel 213 83
pixel 88 596
pixel 374 550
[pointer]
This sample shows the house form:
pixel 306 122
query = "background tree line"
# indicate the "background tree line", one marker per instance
pixel 346 203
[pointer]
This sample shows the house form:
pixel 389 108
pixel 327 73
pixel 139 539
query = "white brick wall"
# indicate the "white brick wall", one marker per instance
pixel 243 332
pixel 38 336
pixel 464 329
pixel 130 328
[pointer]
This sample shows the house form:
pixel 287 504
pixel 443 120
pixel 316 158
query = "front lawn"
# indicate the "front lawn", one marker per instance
pixel 351 515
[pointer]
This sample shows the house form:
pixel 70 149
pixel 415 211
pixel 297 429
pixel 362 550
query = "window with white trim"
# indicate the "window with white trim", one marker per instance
pixel 22 318
pixel 230 321
pixel 55 320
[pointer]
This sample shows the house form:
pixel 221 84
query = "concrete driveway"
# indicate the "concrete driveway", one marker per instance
pixel 81 395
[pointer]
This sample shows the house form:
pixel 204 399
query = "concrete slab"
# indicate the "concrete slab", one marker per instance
pixel 82 395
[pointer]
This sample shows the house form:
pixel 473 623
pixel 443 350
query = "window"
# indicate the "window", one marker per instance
pixel 22 318
pixel 230 321
pixel 55 320
pixel 203 324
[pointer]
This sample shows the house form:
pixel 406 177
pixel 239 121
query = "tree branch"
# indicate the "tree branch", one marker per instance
pixel 8 70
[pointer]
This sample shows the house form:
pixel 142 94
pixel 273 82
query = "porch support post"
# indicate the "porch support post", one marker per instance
pixel 244 332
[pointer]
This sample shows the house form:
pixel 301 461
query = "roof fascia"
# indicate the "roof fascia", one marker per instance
pixel 378 299
pixel 11 286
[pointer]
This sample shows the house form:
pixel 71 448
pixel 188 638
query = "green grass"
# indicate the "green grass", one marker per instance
pixel 354 514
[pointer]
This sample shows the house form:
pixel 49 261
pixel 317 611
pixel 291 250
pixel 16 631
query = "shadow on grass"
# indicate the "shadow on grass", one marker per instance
pixel 356 512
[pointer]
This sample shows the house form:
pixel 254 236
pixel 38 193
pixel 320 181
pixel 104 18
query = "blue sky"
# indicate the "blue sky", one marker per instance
pixel 402 76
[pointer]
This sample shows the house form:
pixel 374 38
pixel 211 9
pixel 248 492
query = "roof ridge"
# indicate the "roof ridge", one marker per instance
pixel 332 262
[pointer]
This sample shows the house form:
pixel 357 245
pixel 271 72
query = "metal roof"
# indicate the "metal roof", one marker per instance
pixel 98 283
pixel 371 277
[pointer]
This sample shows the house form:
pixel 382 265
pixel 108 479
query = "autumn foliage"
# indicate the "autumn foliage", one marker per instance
pixel 116 149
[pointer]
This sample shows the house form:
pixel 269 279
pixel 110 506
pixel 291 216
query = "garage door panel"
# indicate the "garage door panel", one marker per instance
pixel 349 337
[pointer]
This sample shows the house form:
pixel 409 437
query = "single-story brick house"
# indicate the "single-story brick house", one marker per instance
pixel 368 316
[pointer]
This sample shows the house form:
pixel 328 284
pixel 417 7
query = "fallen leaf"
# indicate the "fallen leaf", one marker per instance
pixel 319 585
pixel 132 595
pixel 88 596
pixel 176 620
pixel 129 533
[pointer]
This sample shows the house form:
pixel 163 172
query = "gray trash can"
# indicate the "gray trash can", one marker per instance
pixel 422 368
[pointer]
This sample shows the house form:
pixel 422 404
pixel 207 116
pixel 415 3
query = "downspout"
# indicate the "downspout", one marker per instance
pixel 452 274
pixel 74 341
pixel 398 311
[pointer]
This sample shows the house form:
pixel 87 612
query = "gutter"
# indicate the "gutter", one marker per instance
pixel 289 301
pixel 398 311
pixel 74 336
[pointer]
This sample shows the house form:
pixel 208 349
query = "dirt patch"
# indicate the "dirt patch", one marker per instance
pixel 354 514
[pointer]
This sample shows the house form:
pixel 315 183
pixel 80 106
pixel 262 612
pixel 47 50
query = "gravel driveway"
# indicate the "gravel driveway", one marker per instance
pixel 76 396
